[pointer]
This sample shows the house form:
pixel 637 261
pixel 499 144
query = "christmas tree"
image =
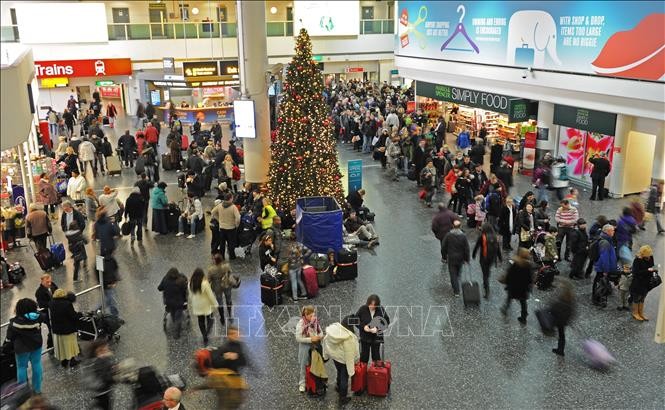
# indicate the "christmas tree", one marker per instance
pixel 304 154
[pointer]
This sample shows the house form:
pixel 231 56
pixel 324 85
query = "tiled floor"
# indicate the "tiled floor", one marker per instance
pixel 443 355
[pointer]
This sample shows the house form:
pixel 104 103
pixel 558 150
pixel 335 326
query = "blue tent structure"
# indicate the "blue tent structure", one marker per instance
pixel 319 223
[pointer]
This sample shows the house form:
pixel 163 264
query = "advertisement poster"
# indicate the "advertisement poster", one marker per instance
pixel 577 147
pixel 327 18
pixel 605 38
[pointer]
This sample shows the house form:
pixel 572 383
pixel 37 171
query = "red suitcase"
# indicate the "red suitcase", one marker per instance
pixel 359 379
pixel 311 280
pixel 184 144
pixel 310 383
pixel 378 377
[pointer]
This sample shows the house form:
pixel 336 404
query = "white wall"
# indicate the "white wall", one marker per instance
pixel 15 116
pixel 657 128
pixel 384 69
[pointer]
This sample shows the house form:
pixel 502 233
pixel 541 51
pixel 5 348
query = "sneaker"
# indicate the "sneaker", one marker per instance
pixel 301 389
pixel 180 234
pixel 372 243
pixel 191 236
pixel 456 295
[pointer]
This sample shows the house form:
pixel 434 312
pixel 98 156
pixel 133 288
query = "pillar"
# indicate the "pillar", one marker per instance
pixel 25 177
pixel 616 177
pixel 545 117
pixel 253 61
pixel 660 323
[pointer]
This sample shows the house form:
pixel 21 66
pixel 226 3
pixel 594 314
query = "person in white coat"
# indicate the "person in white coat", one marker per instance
pixel 308 332
pixel 192 215
pixel 87 154
pixel 76 186
pixel 109 200
pixel 341 345
pixel 201 302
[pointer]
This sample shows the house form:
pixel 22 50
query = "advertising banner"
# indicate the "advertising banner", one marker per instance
pixel 355 175
pixel 327 18
pixel 110 91
pixel 529 156
pixel 83 68
pixel 606 38
pixel 578 146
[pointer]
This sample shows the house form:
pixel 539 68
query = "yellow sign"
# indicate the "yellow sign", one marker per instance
pixel 55 82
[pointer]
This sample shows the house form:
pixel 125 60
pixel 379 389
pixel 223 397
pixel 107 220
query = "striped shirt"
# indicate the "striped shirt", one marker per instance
pixel 566 217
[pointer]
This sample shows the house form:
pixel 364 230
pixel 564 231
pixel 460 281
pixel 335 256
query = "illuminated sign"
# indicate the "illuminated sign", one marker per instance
pixel 201 69
pixel 229 68
pixel 54 82
pixel 83 68
pixel 104 82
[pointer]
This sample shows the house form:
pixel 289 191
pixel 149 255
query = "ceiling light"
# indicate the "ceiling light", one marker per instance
pixel 273 10
pixel 195 11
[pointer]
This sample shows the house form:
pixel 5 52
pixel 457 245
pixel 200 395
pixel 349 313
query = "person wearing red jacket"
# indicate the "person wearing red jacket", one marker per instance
pixel 152 136
pixel 111 112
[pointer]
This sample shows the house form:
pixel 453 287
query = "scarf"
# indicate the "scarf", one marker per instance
pixel 485 245
pixel 313 325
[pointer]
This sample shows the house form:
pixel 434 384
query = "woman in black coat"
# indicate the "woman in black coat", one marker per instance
pixel 526 221
pixel 64 325
pixel 643 270
pixel 372 321
pixel 487 248
pixel 174 294
pixel 562 309
pixel 464 192
pixel 519 278
pixel 507 215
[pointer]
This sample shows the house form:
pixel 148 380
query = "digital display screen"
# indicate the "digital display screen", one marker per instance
pixel 245 121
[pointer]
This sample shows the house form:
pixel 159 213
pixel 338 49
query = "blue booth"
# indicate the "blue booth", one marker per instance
pixel 319 223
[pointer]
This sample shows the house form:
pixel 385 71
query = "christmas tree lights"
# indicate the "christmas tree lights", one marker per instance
pixel 304 153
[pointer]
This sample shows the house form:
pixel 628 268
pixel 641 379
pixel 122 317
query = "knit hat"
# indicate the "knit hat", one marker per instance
pixel 218 201
pixel 581 221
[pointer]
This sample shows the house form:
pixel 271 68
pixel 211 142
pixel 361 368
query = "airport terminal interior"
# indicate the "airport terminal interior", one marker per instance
pixel 332 204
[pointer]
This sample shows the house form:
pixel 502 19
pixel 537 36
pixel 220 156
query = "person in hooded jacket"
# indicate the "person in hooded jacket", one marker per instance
pixel 174 294
pixel 134 209
pixel 24 332
pixel 341 344
pixel 487 248
pixel 64 323
pixel 372 322
pixel 160 205
pixel 579 246
pixel 519 279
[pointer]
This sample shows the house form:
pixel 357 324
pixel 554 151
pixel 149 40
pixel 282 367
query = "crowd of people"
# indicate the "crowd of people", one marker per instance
pixel 375 120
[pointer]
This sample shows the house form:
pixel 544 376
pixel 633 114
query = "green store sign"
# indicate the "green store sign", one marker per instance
pixel 518 109
pixel 587 120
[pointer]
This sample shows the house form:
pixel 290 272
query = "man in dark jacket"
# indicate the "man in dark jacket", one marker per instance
pixel 69 215
pixel 355 199
pixel 44 296
pixel 496 153
pixel 105 232
pixel 420 157
pixel 442 223
pixel 455 248
pixel 601 169
pixel 504 173
pixel 477 153
pixel 579 246
pixel 145 185
pixel 135 207
pixel 479 177
pixel 127 143
pixel 174 293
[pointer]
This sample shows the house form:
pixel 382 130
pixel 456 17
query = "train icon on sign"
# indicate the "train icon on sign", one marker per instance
pixel 100 67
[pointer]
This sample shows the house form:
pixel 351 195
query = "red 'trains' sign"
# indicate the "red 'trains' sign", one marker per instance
pixel 83 68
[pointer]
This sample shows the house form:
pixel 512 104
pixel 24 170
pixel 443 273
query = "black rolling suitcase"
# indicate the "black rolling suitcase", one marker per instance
pixel 172 216
pixel 470 288
pixel 271 290
pixel 7 363
pixel 347 264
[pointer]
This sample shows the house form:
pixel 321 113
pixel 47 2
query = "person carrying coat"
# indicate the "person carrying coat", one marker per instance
pixel 341 344
pixel 487 248
pixel 24 332
pixel 372 322
pixel 202 301
pixel 76 241
pixel 174 294
pixel 455 249
pixel 64 324
pixel 519 279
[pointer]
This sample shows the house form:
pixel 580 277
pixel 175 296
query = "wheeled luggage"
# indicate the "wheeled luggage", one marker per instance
pixel 45 259
pixel 546 321
pixel 58 251
pixel 15 273
pixel 113 165
pixel 271 290
pixel 7 362
pixel 172 215
pixel 309 276
pixel 359 379
pixel 347 264
pixel 545 277
pixel 167 165
pixel 184 144
pixel 411 175
pixel 319 261
pixel 379 377
pixel 470 289
pixel 323 278
pixel 125 228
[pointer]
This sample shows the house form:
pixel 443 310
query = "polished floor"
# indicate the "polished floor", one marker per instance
pixel 443 355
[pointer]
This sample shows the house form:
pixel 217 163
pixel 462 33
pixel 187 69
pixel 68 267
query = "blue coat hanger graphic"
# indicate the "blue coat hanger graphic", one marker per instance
pixel 460 29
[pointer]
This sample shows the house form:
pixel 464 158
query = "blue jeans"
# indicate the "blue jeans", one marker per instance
pixel 35 360
pixel 192 224
pixel 367 144
pixel 111 301
pixel 53 130
pixel 296 279
pixel 542 193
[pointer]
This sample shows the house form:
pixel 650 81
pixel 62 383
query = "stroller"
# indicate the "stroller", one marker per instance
pixel 96 324
pixel 149 387
pixel 547 269
pixel 247 232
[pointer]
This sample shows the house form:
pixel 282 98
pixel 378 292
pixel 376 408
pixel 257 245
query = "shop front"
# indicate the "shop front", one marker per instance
pixel 205 91
pixel 81 78
pixel 506 119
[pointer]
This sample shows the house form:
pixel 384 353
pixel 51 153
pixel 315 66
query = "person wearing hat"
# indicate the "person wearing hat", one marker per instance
pixel 579 246
pixel 601 169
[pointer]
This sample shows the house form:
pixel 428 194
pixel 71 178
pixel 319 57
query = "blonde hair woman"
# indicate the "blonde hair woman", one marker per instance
pixel 643 272
pixel 64 324
pixel 308 332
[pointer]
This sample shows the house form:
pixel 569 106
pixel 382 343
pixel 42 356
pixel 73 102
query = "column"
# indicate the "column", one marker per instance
pixel 25 178
pixel 614 181
pixel 253 61
pixel 545 117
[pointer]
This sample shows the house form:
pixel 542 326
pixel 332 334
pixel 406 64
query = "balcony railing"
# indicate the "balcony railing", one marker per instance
pixel 170 31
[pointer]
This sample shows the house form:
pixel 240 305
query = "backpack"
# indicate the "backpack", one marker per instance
pixel 563 173
pixel 594 250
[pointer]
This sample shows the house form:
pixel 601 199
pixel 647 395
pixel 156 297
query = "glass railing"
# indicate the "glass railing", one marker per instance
pixel 157 31
pixel 9 34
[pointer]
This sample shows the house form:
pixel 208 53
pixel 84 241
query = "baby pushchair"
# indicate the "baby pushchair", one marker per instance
pixel 96 324
pixel 246 232
pixel 547 270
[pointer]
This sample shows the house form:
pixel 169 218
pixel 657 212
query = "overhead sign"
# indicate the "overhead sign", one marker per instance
pixel 83 68
pixel 54 82
pixel 617 39
pixel 229 68
pixel 583 119
pixel 168 65
pixel 200 69
pixel 110 91
pixel 104 82
pixel 353 69
pixel 244 118
pixel 354 170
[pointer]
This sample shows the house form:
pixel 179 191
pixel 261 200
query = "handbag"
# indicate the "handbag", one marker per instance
pixel 525 235
pixel 654 281
pixel 546 321
pixel 235 281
